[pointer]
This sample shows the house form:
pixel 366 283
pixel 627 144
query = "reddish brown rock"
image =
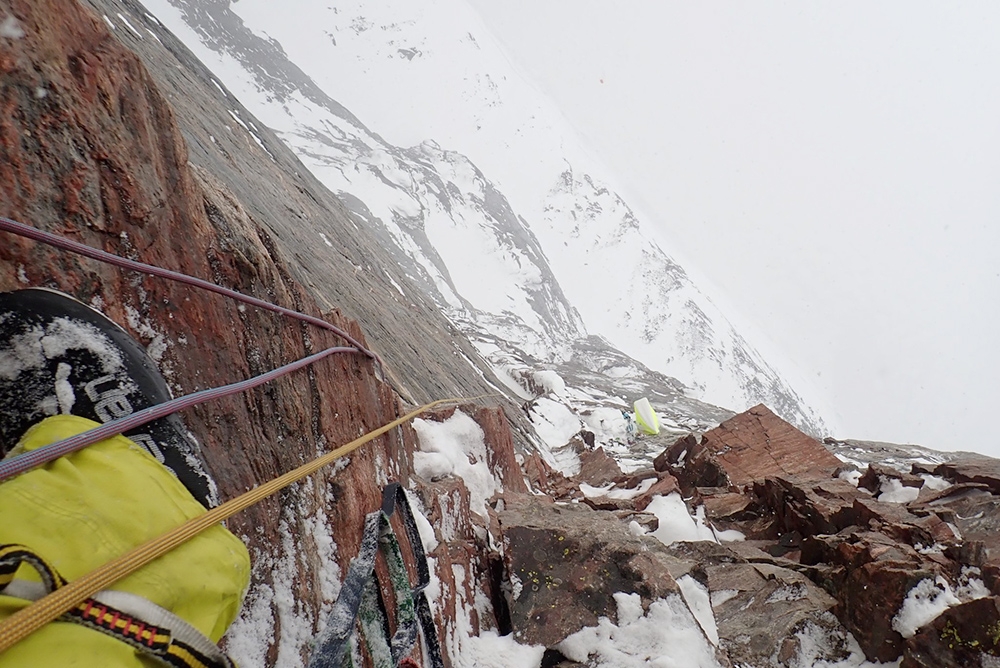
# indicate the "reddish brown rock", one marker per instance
pixel 667 484
pixel 975 513
pixel 972 468
pixel 636 478
pixel 726 506
pixel 748 447
pixel 661 484
pixel 875 475
pixel 757 444
pixel 770 607
pixel 547 480
pixel 870 575
pixel 822 507
pixel 607 503
pixel 673 455
pixel 692 464
pixel 597 468
pixel 566 563
pixel 463 561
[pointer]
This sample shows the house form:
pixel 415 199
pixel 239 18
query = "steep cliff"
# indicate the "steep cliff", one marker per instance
pixel 90 149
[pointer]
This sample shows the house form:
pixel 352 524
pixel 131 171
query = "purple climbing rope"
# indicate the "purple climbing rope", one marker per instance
pixel 13 466
pixel 20 229
pixel 18 464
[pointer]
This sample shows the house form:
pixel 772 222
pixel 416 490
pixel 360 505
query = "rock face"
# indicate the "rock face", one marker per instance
pixel 747 447
pixel 90 149
pixel 566 562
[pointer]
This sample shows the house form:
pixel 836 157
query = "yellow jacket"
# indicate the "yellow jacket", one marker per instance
pixel 92 506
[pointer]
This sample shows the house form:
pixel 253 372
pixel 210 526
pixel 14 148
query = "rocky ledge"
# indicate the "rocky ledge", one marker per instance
pixel 787 545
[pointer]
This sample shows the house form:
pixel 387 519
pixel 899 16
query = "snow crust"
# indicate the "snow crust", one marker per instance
pixel 427 537
pixel 934 482
pixel 607 424
pixel 554 422
pixel 677 524
pixel 667 636
pixel 276 607
pixel 489 650
pixel 850 475
pixel 611 492
pixel 456 447
pixel 817 642
pixel 930 597
pixel 698 601
pixel 893 491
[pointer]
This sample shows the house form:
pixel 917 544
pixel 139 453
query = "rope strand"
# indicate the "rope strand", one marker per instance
pixel 13 466
pixel 20 229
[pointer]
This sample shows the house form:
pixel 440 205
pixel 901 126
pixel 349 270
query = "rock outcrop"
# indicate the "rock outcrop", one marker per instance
pixel 565 563
pixel 869 546
pixel 747 448
pixel 823 561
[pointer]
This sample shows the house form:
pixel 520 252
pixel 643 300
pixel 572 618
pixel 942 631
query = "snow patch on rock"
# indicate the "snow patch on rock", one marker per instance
pixel 456 447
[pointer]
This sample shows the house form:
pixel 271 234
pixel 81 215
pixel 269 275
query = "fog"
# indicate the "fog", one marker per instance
pixel 830 173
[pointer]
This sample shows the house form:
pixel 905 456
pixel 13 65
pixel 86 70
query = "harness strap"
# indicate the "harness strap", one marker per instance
pixel 127 617
pixel 11 558
pixel 361 599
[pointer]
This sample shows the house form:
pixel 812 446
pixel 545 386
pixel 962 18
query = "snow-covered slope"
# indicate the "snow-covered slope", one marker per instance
pixel 495 209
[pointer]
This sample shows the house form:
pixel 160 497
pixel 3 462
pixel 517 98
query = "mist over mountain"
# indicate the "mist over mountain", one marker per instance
pixel 496 212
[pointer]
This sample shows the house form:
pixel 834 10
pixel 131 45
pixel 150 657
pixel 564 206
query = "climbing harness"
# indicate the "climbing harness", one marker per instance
pixel 361 596
pixel 85 601
pixel 121 615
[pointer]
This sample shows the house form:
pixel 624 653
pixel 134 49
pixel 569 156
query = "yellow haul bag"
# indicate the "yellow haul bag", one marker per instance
pixel 87 508
pixel 646 417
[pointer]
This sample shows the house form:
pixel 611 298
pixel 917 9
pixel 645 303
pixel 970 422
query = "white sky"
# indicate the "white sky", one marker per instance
pixel 833 169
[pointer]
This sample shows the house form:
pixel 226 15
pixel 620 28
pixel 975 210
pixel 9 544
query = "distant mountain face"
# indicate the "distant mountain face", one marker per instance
pixel 519 239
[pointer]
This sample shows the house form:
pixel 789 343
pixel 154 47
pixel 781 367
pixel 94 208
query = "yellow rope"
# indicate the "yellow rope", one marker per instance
pixel 25 622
